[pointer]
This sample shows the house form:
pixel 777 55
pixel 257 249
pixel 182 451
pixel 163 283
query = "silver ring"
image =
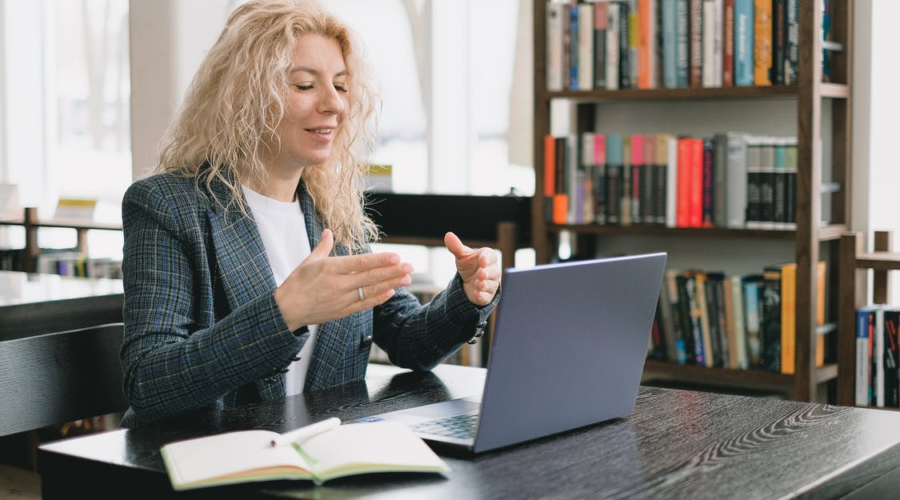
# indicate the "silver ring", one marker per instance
pixel 362 296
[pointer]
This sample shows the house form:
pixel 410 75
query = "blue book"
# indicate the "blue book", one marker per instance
pixel 573 47
pixel 863 356
pixel 682 44
pixel 743 43
pixel 670 43
pixel 752 318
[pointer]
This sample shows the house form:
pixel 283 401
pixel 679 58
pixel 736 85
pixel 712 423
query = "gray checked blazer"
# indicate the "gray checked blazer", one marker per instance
pixel 203 331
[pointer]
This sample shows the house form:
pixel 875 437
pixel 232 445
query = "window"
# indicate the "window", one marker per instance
pixel 66 101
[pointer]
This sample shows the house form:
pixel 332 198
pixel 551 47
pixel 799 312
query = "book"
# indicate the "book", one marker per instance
pixel 864 317
pixel 319 452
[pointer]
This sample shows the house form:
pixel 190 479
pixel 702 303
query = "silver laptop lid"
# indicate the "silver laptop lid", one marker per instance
pixel 569 347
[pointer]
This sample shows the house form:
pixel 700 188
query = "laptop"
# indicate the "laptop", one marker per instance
pixel 568 351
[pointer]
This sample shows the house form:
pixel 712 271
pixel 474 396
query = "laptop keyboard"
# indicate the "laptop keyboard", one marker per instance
pixel 458 426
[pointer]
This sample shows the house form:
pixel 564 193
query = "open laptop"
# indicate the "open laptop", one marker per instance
pixel 568 351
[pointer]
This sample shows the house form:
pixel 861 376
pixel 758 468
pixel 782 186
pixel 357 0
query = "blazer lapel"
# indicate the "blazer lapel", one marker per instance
pixel 331 337
pixel 243 265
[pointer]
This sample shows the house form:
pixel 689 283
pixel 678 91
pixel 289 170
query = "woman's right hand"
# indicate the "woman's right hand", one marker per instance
pixel 324 288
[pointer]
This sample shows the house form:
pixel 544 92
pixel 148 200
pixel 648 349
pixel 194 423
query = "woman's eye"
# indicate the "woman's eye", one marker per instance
pixel 304 87
pixel 341 88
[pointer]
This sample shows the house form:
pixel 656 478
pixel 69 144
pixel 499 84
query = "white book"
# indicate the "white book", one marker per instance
pixel 709 28
pixel 555 45
pixel 672 182
pixel 736 179
pixel 740 330
pixel 612 46
pixel 585 47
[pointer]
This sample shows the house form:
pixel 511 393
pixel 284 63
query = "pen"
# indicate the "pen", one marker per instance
pixel 306 432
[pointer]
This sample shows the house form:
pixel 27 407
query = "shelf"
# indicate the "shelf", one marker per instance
pixel 826 233
pixel 65 223
pixel 828 90
pixel 879 261
pixel 689 93
pixel 732 378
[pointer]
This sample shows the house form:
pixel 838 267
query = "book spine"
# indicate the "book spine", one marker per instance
pixel 696 42
pixel 637 177
pixel 683 43
pixel 680 355
pixel 600 178
pixel 612 46
pixel 634 42
pixel 709 181
pixel 573 53
pixel 753 317
pixel 878 356
pixel 767 184
pixel 585 46
pixel 683 212
pixel 863 361
pixel 779 215
pixel 670 43
pixel 710 340
pixel 736 180
pixel 624 47
pixel 792 51
pixel 708 71
pixel 788 317
pixel 771 320
pixel 891 373
pixel 601 21
pixel 614 159
pixel 671 181
pixel 696 183
pixel 740 328
pixel 743 43
pixel 728 43
pixel 720 179
pixel 645 44
pixel 762 42
pixel 779 41
pixel 555 45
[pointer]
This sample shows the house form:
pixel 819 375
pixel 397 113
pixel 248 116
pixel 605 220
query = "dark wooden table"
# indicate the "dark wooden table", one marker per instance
pixel 37 304
pixel 676 444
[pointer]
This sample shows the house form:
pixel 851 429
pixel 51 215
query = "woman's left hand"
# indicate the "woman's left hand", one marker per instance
pixel 479 269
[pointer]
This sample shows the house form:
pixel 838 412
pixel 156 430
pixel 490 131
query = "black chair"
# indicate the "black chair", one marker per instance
pixel 60 377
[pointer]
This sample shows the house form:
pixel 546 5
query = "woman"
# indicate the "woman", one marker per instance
pixel 247 270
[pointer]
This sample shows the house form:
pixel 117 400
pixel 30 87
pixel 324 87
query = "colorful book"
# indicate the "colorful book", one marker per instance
pixel 762 42
pixel 743 43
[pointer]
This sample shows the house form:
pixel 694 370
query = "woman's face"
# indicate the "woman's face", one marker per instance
pixel 316 105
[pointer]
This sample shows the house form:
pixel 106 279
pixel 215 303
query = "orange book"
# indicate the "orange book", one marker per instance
pixel 788 317
pixel 645 44
pixel 820 312
pixel 762 42
pixel 549 165
pixel 560 208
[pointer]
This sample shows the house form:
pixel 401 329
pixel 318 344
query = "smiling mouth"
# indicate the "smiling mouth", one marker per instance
pixel 324 131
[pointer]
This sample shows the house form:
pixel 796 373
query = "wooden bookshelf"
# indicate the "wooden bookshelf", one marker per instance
pixel 853 285
pixel 811 240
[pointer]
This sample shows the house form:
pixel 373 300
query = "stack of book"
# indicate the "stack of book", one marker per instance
pixel 646 44
pixel 737 322
pixel 877 375
pixel 731 180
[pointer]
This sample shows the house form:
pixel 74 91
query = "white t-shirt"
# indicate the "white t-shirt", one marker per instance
pixel 283 230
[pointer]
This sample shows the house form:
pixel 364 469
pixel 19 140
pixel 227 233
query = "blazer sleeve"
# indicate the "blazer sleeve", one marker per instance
pixel 420 337
pixel 172 364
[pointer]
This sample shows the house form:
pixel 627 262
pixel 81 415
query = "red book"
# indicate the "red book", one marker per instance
pixel 728 44
pixel 682 208
pixel 696 183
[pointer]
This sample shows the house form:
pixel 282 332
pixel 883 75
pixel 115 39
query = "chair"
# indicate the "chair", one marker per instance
pixel 60 377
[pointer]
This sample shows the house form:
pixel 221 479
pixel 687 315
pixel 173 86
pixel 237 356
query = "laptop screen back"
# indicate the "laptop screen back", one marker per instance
pixel 569 347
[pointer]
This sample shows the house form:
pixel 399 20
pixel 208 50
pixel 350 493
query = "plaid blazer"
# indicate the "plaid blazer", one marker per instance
pixel 203 331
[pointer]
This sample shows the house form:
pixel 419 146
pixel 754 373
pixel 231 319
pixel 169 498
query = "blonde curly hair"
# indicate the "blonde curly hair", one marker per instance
pixel 238 97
